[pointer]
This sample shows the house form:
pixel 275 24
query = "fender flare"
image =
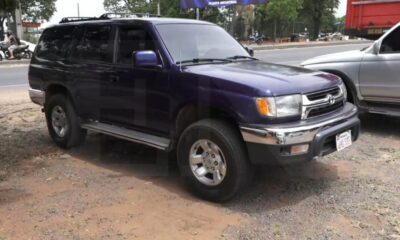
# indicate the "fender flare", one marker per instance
pixel 351 87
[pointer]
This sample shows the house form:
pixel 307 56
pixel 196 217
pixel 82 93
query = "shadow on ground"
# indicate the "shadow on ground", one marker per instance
pixel 129 159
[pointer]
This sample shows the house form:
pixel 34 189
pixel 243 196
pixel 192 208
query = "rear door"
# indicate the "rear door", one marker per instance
pixel 380 73
pixel 92 58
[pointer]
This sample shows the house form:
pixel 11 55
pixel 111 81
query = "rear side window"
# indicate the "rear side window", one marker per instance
pixel 55 43
pixel 96 44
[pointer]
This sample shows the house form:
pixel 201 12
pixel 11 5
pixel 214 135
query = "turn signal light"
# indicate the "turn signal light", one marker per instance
pixel 262 106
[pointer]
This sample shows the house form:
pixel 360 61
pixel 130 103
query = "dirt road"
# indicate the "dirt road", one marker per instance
pixel 111 189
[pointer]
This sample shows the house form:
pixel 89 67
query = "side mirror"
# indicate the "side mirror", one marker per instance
pixel 145 59
pixel 250 51
pixel 376 47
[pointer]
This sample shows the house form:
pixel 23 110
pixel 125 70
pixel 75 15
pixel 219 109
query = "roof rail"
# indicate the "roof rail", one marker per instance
pixel 127 15
pixel 108 16
pixel 77 19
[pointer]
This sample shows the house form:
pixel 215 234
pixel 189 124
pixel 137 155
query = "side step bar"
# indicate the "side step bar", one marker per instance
pixel 129 135
pixel 385 111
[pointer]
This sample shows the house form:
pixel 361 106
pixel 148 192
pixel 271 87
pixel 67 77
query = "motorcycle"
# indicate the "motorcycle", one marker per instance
pixel 21 52
pixel 257 39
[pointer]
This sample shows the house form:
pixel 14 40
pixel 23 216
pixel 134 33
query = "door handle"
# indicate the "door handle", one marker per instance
pixel 113 78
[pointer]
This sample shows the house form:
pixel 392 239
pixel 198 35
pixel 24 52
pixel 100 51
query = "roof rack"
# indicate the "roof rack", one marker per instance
pixel 127 15
pixel 108 16
pixel 77 19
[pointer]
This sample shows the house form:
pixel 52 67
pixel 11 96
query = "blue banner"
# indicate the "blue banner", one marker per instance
pixel 217 3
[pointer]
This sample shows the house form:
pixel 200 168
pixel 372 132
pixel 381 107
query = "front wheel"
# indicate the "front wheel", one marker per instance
pixel 213 160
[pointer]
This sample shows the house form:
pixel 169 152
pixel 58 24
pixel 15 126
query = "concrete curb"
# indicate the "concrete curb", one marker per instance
pixel 15 62
pixel 307 45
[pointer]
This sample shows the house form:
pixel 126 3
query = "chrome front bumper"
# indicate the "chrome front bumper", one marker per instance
pixel 298 133
pixel 37 96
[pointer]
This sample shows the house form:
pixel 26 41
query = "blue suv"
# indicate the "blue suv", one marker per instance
pixel 187 86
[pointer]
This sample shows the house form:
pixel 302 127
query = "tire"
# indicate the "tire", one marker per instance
pixel 73 135
pixel 28 55
pixel 232 151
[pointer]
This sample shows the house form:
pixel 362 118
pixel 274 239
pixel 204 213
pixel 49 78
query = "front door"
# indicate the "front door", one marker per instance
pixel 380 73
pixel 140 96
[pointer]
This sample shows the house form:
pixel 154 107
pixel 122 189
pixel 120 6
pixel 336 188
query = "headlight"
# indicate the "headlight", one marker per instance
pixel 285 106
pixel 344 90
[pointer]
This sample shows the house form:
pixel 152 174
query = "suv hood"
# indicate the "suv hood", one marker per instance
pixel 263 79
pixel 349 56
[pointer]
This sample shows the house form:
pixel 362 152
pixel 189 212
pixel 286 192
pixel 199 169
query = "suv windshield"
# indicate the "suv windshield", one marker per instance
pixel 193 43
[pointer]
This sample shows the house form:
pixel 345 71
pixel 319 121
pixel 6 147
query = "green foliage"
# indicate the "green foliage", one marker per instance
pixel 277 13
pixel 124 6
pixel 283 10
pixel 34 10
pixel 169 8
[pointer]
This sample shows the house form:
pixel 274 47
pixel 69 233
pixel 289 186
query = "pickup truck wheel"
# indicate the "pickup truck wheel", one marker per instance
pixel 62 122
pixel 213 160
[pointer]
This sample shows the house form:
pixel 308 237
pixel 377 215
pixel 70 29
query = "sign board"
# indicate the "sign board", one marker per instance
pixel 31 24
pixel 217 3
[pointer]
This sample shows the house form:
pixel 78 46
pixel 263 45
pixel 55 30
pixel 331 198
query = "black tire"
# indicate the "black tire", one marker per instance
pixel 238 169
pixel 75 135
pixel 28 55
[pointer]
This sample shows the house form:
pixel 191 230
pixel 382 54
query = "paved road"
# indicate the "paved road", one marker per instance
pixel 16 76
pixel 13 77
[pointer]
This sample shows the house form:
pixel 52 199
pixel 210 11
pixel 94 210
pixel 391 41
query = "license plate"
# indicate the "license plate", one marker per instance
pixel 343 140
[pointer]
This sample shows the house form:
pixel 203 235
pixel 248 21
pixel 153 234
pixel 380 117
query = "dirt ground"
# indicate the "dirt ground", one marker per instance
pixel 112 189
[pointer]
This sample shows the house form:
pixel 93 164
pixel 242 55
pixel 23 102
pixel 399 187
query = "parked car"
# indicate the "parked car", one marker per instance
pixel 187 86
pixel 371 75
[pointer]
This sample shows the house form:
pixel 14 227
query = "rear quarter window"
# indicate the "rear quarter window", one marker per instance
pixel 96 45
pixel 55 43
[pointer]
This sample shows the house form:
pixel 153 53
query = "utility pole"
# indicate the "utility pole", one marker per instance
pixel 197 14
pixel 79 14
pixel 158 8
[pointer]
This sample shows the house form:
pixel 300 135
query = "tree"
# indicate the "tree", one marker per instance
pixel 315 11
pixel 283 11
pixel 124 6
pixel 7 7
pixel 32 10
pixel 169 8
pixel 280 13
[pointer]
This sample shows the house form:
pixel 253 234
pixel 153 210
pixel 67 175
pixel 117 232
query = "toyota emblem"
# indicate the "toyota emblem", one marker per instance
pixel 331 99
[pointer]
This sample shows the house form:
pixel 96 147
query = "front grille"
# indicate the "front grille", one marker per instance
pixel 315 112
pixel 322 102
pixel 323 94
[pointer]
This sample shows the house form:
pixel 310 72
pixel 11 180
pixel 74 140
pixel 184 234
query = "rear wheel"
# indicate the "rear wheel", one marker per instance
pixel 28 55
pixel 213 160
pixel 63 122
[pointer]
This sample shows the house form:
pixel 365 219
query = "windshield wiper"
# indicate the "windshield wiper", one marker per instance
pixel 241 57
pixel 201 60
